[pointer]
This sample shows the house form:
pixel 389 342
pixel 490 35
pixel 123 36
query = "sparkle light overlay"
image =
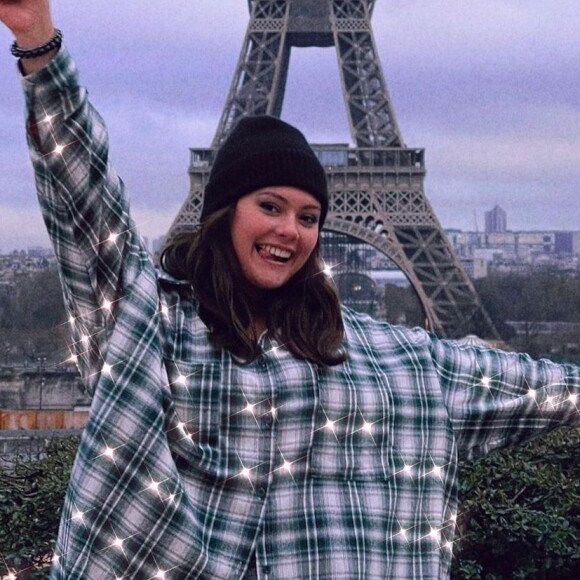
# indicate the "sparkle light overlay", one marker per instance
pixel 341 428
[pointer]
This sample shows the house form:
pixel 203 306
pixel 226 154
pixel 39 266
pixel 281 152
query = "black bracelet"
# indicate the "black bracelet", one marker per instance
pixel 53 43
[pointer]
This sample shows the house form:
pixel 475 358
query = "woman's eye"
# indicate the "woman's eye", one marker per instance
pixel 269 207
pixel 311 220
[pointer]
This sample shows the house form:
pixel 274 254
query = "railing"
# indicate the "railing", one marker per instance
pixel 336 157
pixel 341 156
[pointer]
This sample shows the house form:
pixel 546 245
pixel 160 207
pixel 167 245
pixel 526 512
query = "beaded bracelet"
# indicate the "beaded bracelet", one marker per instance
pixel 54 42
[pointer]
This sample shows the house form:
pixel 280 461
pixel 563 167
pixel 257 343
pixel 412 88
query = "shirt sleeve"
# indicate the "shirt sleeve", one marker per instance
pixel 497 399
pixel 83 205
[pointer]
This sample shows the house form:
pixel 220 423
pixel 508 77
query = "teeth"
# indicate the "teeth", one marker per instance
pixel 277 252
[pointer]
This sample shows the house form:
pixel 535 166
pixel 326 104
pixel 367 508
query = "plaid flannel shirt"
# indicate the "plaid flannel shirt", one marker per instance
pixel 193 466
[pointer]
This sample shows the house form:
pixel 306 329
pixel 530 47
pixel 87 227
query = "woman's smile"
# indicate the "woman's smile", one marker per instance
pixel 274 231
pixel 279 255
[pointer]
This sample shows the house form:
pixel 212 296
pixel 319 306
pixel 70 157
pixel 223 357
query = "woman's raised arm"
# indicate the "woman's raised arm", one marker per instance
pixel 81 196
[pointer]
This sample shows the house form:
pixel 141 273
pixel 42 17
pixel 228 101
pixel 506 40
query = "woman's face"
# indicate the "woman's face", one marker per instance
pixel 274 231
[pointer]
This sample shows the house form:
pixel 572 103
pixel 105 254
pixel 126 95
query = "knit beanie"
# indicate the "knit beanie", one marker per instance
pixel 263 151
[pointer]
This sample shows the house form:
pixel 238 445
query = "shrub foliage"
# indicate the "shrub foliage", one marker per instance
pixel 520 512
pixel 31 498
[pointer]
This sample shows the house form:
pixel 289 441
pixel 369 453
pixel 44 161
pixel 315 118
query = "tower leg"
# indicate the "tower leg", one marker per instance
pixel 260 79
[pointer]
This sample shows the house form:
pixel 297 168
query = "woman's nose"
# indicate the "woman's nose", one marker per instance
pixel 287 227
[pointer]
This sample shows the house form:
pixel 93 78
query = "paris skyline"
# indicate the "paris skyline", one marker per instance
pixel 488 88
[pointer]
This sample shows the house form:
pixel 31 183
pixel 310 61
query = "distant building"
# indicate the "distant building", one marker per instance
pixel 476 267
pixel 40 252
pixel 496 221
pixel 517 252
pixel 564 243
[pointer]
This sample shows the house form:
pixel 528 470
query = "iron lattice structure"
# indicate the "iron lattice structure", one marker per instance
pixel 376 188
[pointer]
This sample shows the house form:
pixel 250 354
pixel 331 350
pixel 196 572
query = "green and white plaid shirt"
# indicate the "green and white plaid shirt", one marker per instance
pixel 192 463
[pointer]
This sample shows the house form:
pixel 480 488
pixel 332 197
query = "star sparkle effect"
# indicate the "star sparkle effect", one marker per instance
pixel 437 471
pixel 407 534
pixel 109 453
pixel 327 270
pixel 118 544
pixel 78 516
pixel 162 488
pixel 367 427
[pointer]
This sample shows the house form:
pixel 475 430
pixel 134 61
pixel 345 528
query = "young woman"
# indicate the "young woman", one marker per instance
pixel 243 425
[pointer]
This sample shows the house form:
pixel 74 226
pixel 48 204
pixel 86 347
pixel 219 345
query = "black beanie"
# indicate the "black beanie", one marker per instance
pixel 263 151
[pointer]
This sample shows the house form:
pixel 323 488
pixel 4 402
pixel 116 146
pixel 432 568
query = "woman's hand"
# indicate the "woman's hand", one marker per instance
pixel 31 24
pixel 29 21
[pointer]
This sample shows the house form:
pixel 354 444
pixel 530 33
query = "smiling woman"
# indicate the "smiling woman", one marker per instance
pixel 243 423
pixel 266 201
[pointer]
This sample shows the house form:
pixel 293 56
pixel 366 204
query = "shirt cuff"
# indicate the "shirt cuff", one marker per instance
pixel 46 85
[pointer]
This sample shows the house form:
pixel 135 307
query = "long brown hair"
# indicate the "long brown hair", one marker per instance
pixel 303 315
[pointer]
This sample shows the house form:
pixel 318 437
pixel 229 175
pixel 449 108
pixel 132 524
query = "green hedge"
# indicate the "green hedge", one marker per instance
pixel 519 511
pixel 31 497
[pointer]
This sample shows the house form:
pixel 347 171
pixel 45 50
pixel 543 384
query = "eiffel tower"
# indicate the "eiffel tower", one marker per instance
pixel 376 188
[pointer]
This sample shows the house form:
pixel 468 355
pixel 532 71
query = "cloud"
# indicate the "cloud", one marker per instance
pixel 21 228
pixel 488 87
pixel 153 222
pixel 24 228
pixel 523 151
pixel 478 30
pixel 533 173
pixel 150 148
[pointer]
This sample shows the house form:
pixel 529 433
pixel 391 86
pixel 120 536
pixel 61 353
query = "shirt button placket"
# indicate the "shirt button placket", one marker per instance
pixel 266 423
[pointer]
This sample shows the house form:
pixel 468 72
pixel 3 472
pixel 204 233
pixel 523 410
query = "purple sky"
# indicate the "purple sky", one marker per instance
pixel 490 88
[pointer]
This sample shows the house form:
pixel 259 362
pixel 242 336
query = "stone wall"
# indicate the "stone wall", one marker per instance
pixel 43 389
pixel 37 405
